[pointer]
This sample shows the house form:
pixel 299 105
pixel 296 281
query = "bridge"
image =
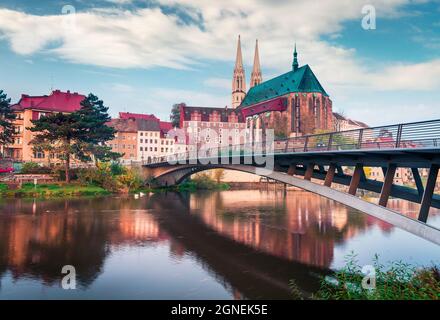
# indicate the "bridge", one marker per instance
pixel 321 157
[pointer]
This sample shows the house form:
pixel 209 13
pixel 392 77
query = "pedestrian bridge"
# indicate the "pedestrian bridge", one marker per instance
pixel 315 163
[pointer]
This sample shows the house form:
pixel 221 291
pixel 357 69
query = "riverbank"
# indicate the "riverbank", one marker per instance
pixel 57 190
pixel 29 190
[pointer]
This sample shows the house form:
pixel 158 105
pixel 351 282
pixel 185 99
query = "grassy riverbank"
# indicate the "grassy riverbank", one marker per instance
pixel 28 190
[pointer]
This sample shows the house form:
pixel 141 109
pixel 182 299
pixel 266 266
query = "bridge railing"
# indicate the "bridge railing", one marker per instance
pixel 423 134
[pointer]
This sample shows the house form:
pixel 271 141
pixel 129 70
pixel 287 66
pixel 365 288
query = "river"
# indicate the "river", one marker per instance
pixel 242 244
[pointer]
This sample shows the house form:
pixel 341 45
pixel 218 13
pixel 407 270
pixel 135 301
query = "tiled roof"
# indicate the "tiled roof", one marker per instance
pixel 134 125
pixel 128 115
pixel 301 80
pixel 57 101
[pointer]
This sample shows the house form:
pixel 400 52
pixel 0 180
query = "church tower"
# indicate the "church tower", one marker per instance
pixel 239 79
pixel 256 77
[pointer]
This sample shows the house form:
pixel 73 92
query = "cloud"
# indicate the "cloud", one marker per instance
pixel 187 34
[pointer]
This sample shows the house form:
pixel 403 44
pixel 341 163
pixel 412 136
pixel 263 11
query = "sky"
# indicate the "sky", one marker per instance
pixel 144 56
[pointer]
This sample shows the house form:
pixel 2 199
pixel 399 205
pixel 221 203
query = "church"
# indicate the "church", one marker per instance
pixel 293 104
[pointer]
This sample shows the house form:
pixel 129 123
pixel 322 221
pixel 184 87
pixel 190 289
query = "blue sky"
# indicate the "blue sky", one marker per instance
pixel 143 56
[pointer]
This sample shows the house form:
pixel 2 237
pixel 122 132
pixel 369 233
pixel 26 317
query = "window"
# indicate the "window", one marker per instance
pixel 161 149
pixel 155 148
pixel 141 149
pixel 142 134
pixel 142 140
pixel 38 155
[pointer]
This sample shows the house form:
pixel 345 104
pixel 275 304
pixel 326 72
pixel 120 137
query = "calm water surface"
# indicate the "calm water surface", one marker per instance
pixel 213 245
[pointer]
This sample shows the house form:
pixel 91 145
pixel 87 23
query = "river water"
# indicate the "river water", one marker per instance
pixel 211 245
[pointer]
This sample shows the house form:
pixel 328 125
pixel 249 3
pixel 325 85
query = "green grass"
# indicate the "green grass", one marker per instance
pixel 53 190
pixel 195 185
pixel 3 187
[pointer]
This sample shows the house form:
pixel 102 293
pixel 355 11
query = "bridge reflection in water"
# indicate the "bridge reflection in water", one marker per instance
pixel 251 247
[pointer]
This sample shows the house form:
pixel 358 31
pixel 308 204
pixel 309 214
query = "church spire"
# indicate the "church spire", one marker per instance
pixel 239 79
pixel 256 77
pixel 295 60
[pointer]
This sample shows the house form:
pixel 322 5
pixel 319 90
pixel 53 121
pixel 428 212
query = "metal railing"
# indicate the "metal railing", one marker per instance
pixel 423 134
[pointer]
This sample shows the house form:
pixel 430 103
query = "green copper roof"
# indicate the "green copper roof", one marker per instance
pixel 300 80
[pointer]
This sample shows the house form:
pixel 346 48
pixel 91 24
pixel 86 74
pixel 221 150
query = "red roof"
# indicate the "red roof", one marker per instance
pixel 128 115
pixel 57 101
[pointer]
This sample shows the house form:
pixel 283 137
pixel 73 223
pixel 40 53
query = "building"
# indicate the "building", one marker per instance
pixel 341 123
pixel 293 104
pixel 141 137
pixel 205 126
pixel 126 138
pixel 31 108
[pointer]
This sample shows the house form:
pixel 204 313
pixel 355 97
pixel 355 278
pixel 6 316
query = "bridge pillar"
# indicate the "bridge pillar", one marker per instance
pixel 354 183
pixel 309 171
pixel 418 181
pixel 429 191
pixel 387 185
pixel 292 169
pixel 330 175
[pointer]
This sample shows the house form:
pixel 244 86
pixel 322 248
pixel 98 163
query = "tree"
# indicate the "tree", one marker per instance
pixel 6 118
pixel 175 114
pixel 60 130
pixel 94 132
pixel 218 174
pixel 82 133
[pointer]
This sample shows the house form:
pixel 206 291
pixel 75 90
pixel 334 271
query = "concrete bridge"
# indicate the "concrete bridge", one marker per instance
pixel 296 161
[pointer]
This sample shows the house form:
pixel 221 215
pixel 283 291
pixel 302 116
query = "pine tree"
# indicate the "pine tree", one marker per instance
pixel 92 121
pixel 94 132
pixel 59 130
pixel 6 118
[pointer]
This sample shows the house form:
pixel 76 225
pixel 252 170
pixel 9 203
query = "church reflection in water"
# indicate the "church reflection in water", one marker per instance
pixel 253 230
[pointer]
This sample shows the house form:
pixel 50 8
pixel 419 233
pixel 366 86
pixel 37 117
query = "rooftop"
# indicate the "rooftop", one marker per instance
pixel 57 101
pixel 300 80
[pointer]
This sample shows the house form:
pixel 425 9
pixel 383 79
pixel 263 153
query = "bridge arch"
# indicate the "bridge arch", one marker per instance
pixel 177 174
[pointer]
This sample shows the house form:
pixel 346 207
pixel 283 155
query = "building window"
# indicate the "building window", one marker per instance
pixel 38 155
pixel 141 149
pixel 142 134
pixel 142 140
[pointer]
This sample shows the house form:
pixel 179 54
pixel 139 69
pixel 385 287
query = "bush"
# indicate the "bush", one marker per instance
pixel 61 173
pixel 399 281
pixel 113 178
pixel 34 168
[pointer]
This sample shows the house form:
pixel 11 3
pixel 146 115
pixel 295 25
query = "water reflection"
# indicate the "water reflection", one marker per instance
pixel 251 243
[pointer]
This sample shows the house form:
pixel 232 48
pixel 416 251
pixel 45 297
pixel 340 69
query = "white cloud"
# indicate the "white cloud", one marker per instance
pixel 146 38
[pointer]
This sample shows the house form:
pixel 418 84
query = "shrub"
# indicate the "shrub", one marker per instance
pixel 34 168
pixel 399 281
pixel 113 178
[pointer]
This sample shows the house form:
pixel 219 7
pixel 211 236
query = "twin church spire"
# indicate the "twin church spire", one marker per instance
pixel 239 78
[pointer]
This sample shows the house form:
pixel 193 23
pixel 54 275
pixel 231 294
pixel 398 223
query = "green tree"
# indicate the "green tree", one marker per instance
pixel 94 131
pixel 60 130
pixel 82 133
pixel 175 114
pixel 6 118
